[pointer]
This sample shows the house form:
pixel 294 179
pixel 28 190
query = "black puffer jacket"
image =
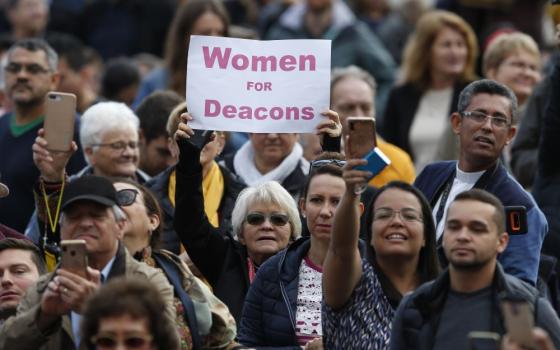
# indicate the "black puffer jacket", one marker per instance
pixel 269 313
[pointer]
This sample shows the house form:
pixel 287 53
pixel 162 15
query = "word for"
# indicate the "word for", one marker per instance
pixel 258 86
pixel 239 61
pixel 213 108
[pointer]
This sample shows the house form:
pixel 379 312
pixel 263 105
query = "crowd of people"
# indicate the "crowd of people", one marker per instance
pixel 263 240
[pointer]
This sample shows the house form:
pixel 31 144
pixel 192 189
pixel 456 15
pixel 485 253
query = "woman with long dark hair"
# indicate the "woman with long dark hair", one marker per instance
pixel 361 295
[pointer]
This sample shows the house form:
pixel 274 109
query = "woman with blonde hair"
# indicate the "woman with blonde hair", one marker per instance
pixel 439 61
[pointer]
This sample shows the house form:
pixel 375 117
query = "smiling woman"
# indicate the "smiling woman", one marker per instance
pixel 361 295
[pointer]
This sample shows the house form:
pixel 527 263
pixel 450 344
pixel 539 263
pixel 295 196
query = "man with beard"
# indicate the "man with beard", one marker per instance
pixel 485 124
pixel 30 73
pixel 434 317
pixel 20 266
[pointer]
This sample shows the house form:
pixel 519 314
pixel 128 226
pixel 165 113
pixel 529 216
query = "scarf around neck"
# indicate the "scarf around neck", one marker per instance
pixel 244 165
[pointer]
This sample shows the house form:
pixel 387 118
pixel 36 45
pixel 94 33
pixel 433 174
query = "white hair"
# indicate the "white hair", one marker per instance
pixel 103 117
pixel 268 193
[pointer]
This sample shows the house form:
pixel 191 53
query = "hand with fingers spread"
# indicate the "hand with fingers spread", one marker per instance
pixel 330 126
pixel 51 164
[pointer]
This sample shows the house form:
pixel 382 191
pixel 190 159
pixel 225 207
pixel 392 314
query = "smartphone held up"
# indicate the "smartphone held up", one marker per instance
pixel 59 120
pixel 74 256
pixel 362 143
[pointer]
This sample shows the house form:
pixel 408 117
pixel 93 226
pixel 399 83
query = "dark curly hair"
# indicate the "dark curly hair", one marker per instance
pixel 137 298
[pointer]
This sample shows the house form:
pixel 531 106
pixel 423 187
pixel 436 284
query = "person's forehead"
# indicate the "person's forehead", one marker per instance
pixel 470 210
pixel 521 53
pixel 490 103
pixel 124 134
pixel 282 135
pixel 352 88
pixel 22 55
pixel 15 256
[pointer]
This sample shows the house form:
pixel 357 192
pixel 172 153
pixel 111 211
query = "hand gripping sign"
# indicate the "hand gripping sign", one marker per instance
pixel 257 86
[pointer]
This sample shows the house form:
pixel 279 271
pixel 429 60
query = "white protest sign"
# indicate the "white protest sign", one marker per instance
pixel 257 86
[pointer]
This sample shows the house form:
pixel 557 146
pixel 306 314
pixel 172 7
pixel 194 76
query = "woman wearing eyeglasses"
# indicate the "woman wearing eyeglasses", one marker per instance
pixel 209 324
pixel 126 314
pixel 283 305
pixel 361 295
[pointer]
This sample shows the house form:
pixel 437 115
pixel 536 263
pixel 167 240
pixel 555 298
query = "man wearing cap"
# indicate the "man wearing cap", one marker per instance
pixel 49 315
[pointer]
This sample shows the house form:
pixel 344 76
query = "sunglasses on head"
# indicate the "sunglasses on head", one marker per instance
pixel 323 162
pixel 275 219
pixel 131 342
pixel 126 197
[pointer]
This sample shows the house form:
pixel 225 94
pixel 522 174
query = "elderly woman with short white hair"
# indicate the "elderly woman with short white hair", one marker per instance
pixel 109 137
pixel 265 219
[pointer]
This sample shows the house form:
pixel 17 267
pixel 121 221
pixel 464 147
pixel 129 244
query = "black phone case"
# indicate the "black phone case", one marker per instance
pixel 516 220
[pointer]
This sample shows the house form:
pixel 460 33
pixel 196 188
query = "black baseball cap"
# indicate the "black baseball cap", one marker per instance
pixel 89 188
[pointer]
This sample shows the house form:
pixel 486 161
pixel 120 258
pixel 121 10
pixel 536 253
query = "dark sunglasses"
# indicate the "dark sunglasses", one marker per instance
pixel 323 162
pixel 275 219
pixel 126 197
pixel 131 342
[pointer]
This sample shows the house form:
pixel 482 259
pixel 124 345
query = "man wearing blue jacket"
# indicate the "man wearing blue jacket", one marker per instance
pixel 484 124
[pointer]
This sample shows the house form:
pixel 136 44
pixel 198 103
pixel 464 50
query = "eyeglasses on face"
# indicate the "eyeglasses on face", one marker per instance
pixel 31 68
pixel 275 219
pixel 119 145
pixel 126 197
pixel 481 117
pixel 130 342
pixel 406 214
pixel 323 162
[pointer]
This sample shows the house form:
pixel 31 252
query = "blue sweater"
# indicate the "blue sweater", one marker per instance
pixel 521 257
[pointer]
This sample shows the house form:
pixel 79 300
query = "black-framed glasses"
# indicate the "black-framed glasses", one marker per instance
pixel 481 117
pixel 275 219
pixel 406 214
pixel 126 197
pixel 323 162
pixel 118 145
pixel 31 68
pixel 130 342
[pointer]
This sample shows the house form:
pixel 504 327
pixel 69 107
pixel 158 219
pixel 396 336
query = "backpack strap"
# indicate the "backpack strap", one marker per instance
pixel 172 273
